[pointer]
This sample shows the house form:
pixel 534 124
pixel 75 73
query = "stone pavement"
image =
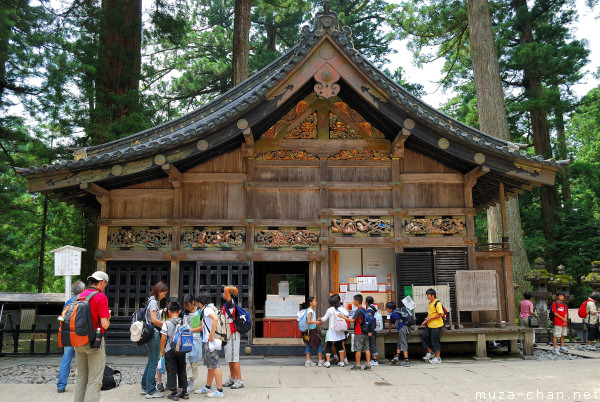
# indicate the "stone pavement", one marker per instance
pixel 286 379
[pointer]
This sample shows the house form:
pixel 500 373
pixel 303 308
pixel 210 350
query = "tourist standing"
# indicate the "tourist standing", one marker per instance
pixel 68 351
pixel 313 337
pixel 592 319
pixel 174 361
pixel 432 334
pixel 91 361
pixel 149 386
pixel 372 309
pixel 403 334
pixel 526 310
pixel 560 323
pixel 361 337
pixel 334 337
pixel 232 349
pixel 211 357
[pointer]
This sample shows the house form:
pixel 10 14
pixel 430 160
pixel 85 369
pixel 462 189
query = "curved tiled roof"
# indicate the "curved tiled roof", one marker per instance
pixel 234 103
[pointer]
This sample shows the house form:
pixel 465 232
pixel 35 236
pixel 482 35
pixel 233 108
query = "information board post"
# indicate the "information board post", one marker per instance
pixel 67 262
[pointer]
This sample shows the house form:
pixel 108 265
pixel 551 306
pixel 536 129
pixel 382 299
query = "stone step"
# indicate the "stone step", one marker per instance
pixel 575 352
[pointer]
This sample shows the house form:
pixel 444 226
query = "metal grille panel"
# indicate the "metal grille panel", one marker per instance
pixel 413 268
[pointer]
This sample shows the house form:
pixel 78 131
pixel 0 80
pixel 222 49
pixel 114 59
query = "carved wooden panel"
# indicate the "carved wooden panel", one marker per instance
pixel 362 226
pixel 213 238
pixel 284 239
pixel 139 238
pixel 434 226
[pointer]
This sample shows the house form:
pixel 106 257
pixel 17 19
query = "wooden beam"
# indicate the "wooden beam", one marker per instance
pixel 95 189
pixel 424 178
pixel 503 211
pixel 398 143
pixel 174 174
pixel 471 177
pixel 206 177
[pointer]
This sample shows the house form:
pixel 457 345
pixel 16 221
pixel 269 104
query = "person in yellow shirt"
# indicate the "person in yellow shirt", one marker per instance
pixel 432 334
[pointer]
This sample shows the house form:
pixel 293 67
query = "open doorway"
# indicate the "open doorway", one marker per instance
pixel 267 276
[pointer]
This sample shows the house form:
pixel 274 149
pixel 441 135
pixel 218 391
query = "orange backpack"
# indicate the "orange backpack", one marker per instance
pixel 76 325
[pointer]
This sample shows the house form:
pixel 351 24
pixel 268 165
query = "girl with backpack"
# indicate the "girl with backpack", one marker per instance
pixel 174 360
pixel 335 336
pixel 192 319
pixel 314 341
pixel 150 387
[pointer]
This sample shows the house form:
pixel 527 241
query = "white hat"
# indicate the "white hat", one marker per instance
pixel 99 276
pixel 136 330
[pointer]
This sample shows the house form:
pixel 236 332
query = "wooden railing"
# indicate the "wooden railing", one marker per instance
pixel 39 336
pixel 493 246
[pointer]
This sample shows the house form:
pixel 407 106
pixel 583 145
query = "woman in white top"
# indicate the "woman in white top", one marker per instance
pixel 334 337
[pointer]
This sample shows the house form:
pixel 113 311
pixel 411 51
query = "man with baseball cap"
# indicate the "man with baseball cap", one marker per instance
pixel 91 361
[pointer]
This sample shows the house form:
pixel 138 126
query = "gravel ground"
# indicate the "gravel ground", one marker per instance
pixel 23 374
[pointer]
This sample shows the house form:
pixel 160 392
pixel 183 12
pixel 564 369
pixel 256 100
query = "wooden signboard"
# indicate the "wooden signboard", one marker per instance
pixel 477 291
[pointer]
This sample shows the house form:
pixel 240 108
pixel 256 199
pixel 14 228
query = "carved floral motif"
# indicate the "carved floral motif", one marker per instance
pixel 212 238
pixel 286 155
pixel 287 239
pixel 139 238
pixel 306 130
pixel 355 226
pixel 434 226
pixel 364 154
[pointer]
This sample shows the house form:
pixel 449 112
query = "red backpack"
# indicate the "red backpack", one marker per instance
pixel 582 312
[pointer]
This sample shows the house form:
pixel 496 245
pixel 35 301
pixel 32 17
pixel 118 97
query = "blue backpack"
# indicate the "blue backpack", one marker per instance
pixel 369 323
pixel 242 319
pixel 183 341
pixel 302 317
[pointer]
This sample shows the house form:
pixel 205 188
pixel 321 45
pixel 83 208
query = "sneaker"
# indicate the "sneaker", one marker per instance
pixel 155 395
pixel 429 356
pixel 326 364
pixel 345 360
pixel 406 363
pixel 556 351
pixel 229 383
pixel 310 364
pixel 435 360
pixel 190 387
pixel 374 363
pixel 355 368
pixel 60 391
pixel 142 391
pixel 216 394
pixel 204 391
pixel 184 395
pixel 341 364
pixel 395 360
pixel 320 363
pixel 563 349
pixel 160 387
pixel 588 347
pixel 173 396
pixel 367 367
pixel 239 384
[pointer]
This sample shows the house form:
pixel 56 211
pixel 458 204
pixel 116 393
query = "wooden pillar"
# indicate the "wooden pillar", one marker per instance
pixel 528 342
pixel 470 220
pixel 174 279
pixel 324 285
pixel 323 274
pixel 481 351
pixel 103 197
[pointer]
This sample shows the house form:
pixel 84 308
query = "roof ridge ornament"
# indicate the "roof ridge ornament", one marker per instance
pixel 327 21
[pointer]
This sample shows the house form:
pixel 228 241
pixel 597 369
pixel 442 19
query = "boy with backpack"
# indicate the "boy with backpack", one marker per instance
pixel 232 349
pixel 432 334
pixel 211 357
pixel 362 331
pixel 591 318
pixel 192 318
pixel 403 331
pixel 372 310
pixel 174 359
pixel 559 311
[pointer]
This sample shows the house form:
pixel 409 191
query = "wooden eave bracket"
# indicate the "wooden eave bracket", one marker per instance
pixel 398 143
pixel 102 195
pixel 174 174
pixel 243 125
pixel 471 178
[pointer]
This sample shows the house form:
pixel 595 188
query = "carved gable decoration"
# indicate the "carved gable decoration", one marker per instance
pixel 320 119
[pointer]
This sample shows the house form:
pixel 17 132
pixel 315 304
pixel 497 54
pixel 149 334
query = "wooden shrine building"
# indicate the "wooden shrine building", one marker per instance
pixel 319 166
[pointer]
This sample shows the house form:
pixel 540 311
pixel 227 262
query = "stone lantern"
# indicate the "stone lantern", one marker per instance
pixel 539 278
pixel 593 278
pixel 562 283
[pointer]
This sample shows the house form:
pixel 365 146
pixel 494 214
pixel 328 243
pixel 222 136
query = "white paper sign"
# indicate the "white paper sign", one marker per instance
pixel 67 261
pixel 409 303
pixel 366 283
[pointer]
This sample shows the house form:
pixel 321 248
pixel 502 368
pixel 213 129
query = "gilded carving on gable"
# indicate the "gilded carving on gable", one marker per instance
pixel 286 155
pixel 360 154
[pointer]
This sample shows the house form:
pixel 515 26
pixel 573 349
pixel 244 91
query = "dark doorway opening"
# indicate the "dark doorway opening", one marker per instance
pixel 267 275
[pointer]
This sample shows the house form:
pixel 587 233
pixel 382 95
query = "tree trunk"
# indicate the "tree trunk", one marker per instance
pixel 241 41
pixel 40 284
pixel 119 68
pixel 539 122
pixel 562 154
pixel 492 120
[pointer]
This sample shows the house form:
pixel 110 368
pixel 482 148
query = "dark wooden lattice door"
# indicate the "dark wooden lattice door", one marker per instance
pixel 130 282
pixel 446 262
pixel 413 268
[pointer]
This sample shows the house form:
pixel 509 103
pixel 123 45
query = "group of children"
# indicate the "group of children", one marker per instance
pixel 336 334
pixel 200 315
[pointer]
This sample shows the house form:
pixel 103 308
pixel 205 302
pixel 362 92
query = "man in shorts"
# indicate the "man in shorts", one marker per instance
pixel 432 334
pixel 211 358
